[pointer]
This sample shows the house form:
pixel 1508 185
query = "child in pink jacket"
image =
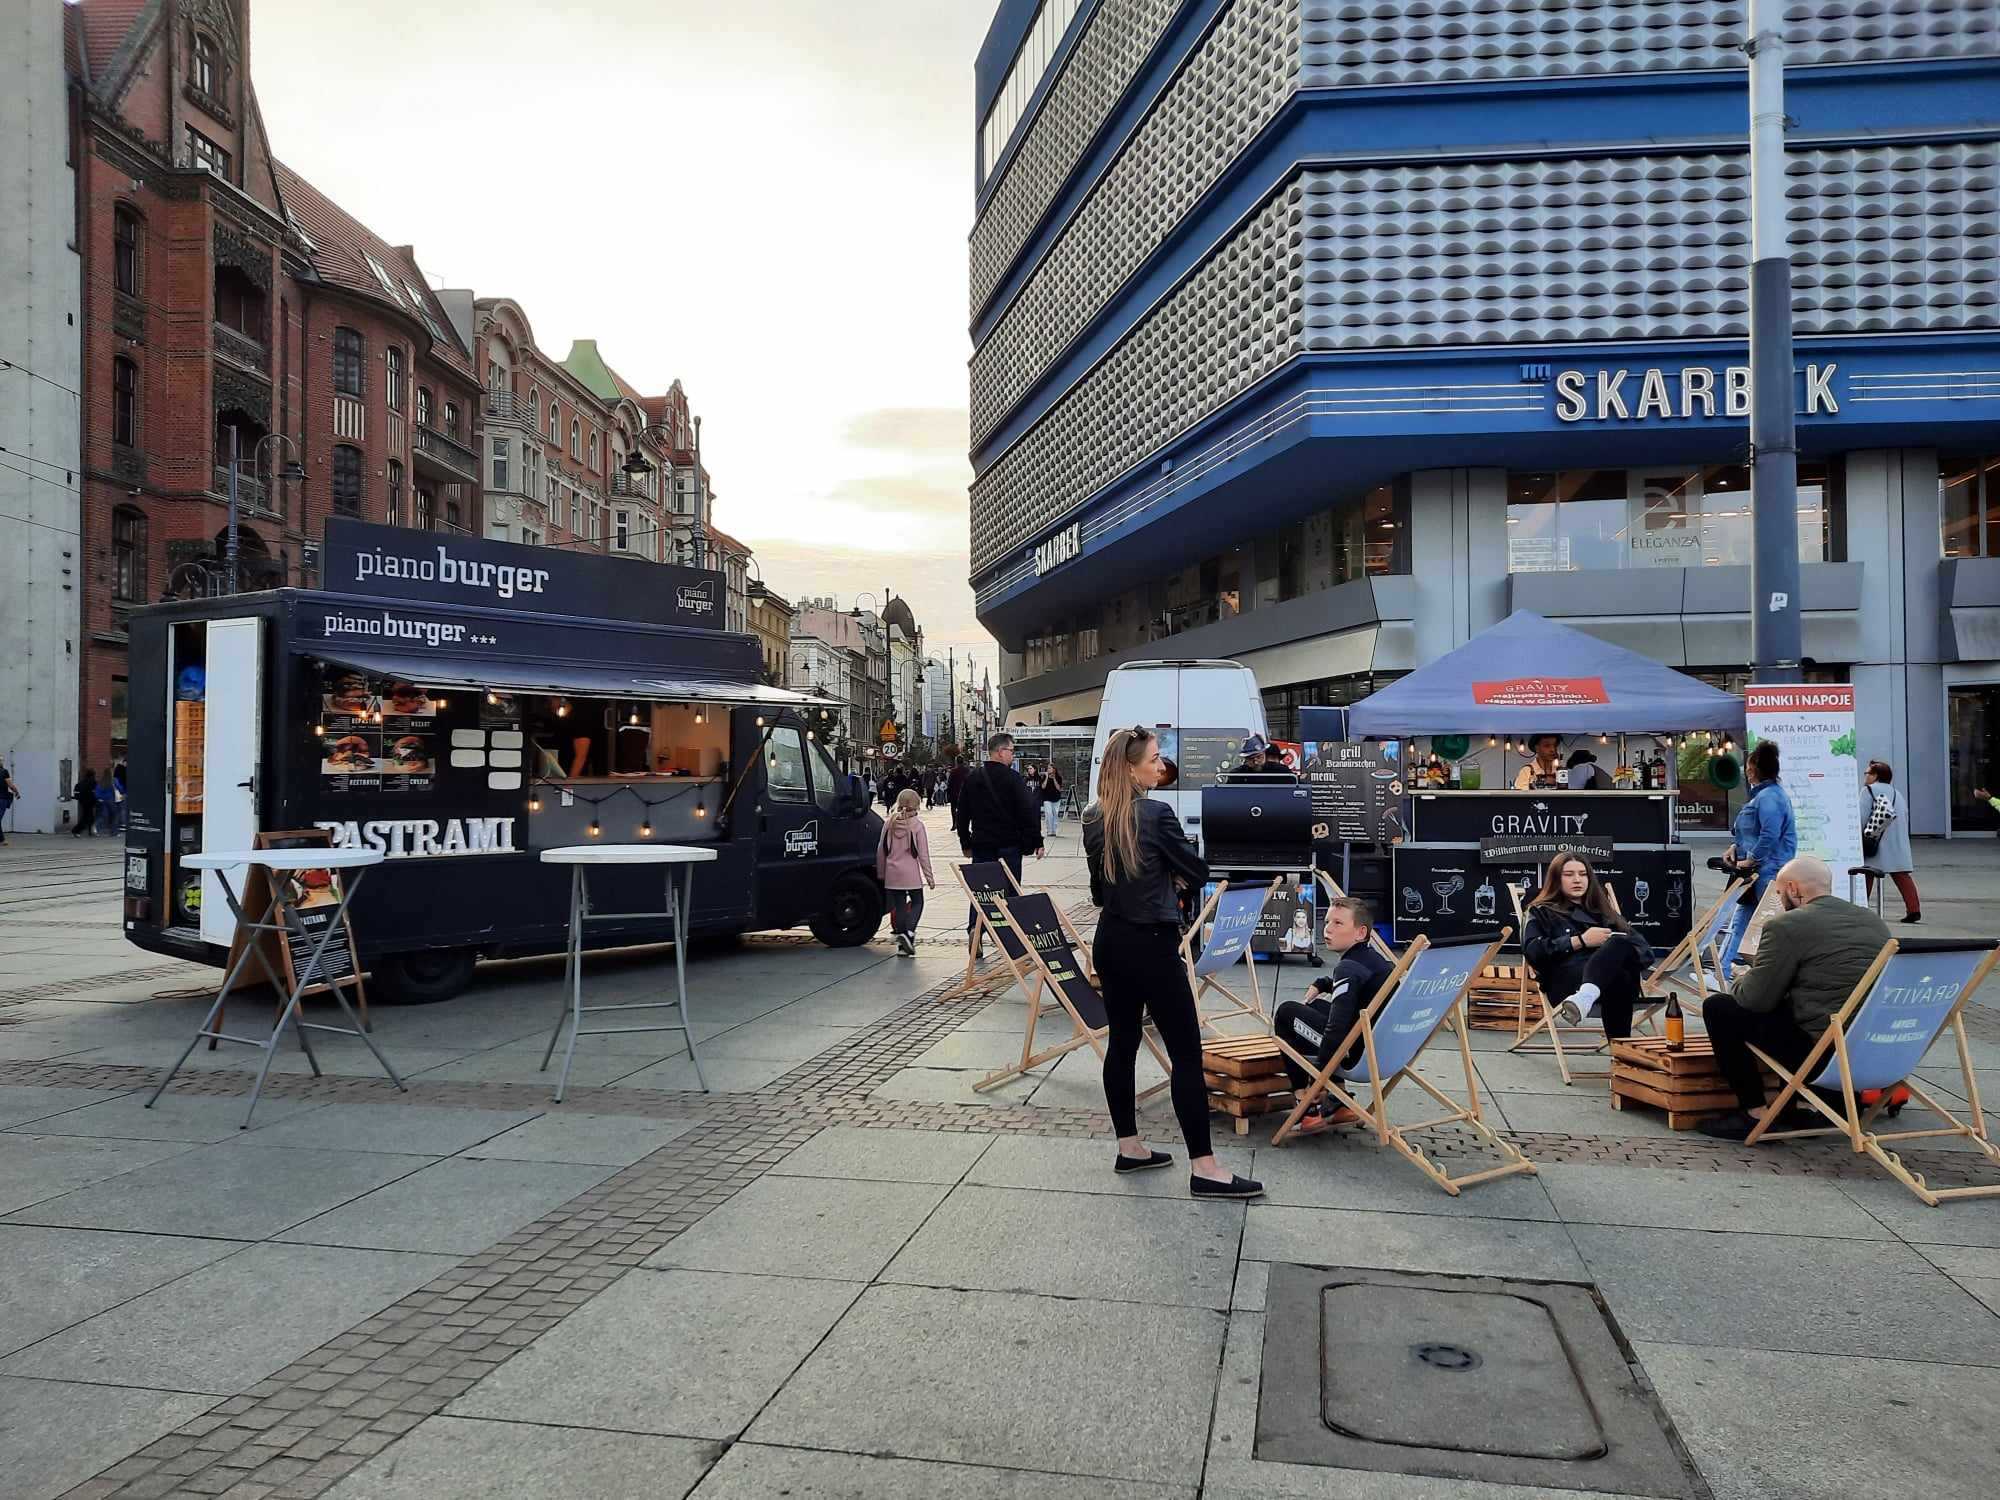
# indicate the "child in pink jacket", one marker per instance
pixel 903 864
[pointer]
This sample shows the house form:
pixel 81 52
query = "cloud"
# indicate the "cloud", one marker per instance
pixel 912 429
pixel 927 493
pixel 934 582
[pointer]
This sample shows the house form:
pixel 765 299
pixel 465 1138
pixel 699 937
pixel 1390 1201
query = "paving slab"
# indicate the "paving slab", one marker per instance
pixel 458 1206
pixel 687 1353
pixel 1986 1289
pixel 724 1075
pixel 886 1155
pixel 56 1277
pixel 1505 1072
pixel 520 1062
pixel 234 1190
pixel 1069 1165
pixel 1783 1292
pixel 751 1471
pixel 1077 1245
pixel 560 1135
pixel 404 1129
pixel 21 1104
pixel 1758 1423
pixel 1459 1245
pixel 1000 1379
pixel 783 1041
pixel 1348 1169
pixel 458 1458
pixel 954 1086
pixel 1963 1261
pixel 59 1434
pixel 1654 1198
pixel 177 1117
pixel 983 1051
pixel 805 1226
pixel 1579 1113
pixel 256 1312
pixel 1970 1221
pixel 37 1167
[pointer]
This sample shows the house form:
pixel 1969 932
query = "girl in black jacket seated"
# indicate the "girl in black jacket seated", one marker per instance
pixel 1136 852
pixel 1583 952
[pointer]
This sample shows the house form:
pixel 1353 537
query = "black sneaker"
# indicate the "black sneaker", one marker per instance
pixel 1911 917
pixel 1236 1187
pixel 1734 1126
pixel 1142 1163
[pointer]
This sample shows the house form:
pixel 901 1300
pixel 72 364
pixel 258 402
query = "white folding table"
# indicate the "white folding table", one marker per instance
pixel 679 860
pixel 283 918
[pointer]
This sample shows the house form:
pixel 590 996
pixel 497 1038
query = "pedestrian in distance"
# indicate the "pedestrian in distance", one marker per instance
pixel 996 817
pixel 1885 824
pixel 85 793
pixel 107 803
pixel 1052 800
pixel 1763 839
pixel 9 795
pixel 1137 853
pixel 903 865
pixel 1586 957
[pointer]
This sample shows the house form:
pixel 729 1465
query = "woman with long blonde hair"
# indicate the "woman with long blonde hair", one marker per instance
pixel 903 865
pixel 1136 852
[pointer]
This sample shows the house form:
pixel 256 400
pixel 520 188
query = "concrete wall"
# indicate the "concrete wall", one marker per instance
pixel 39 495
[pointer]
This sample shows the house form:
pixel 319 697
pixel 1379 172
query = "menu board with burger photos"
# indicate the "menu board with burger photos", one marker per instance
pixel 379 734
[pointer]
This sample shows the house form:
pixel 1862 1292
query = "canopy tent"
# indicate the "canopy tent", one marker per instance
pixel 1529 675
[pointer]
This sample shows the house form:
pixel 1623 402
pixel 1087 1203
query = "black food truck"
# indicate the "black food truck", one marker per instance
pixel 460 705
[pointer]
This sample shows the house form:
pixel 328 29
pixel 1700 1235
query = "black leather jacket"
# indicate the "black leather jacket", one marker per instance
pixel 1546 943
pixel 1164 852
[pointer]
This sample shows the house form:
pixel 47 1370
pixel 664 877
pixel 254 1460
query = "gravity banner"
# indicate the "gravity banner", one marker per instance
pixel 1812 725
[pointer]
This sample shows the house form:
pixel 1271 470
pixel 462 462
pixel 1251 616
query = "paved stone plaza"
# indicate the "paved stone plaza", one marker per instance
pixel 846 1274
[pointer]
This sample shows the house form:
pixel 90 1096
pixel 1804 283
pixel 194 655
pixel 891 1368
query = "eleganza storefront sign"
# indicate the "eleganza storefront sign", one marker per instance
pixel 1627 395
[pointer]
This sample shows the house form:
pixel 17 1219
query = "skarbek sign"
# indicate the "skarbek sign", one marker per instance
pixel 1059 549
pixel 1620 395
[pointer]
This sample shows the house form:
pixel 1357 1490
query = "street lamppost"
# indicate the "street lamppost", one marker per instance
pixel 636 464
pixel 293 472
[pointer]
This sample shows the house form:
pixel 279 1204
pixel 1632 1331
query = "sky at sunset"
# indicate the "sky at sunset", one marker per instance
pixel 766 199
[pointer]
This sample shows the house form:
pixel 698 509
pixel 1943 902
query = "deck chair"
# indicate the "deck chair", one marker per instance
pixel 1690 964
pixel 1220 940
pixel 1335 893
pixel 1910 995
pixel 1424 991
pixel 1585 1038
pixel 1060 961
pixel 986 882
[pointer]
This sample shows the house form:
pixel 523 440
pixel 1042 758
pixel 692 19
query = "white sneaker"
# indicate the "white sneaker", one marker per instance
pixel 1582 1004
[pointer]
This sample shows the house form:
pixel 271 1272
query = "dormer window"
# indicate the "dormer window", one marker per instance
pixel 210 70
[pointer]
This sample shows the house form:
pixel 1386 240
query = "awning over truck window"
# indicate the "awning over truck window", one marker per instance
pixel 440 670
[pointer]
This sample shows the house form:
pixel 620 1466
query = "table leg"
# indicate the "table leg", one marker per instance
pixel 581 904
pixel 337 928
pixel 228 982
pixel 682 901
pixel 569 956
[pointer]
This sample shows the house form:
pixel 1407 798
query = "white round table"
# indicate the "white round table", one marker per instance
pixel 679 861
pixel 283 919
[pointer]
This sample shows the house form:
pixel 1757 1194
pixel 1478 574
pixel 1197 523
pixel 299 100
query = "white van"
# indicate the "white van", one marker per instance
pixel 1201 710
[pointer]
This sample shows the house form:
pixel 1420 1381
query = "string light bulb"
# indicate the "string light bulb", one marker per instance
pixel 760 721
pixel 646 828
pixel 535 804
pixel 633 717
pixel 1604 739
pixel 812 734
pixel 699 717
pixel 438 703
pixel 594 829
pixel 492 700
pixel 1491 742
pixel 319 729
pixel 700 811
pixel 562 708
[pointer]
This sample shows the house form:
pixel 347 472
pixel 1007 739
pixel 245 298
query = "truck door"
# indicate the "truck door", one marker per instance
pixel 790 827
pixel 231 745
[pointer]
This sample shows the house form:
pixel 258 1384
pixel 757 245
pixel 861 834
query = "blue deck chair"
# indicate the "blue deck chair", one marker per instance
pixel 1910 995
pixel 1218 941
pixel 1424 991
pixel 1697 958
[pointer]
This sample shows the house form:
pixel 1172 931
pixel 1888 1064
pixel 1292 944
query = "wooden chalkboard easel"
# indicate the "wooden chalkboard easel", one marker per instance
pixel 258 898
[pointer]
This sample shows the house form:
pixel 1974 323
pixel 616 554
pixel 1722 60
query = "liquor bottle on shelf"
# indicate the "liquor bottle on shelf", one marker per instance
pixel 1676 1025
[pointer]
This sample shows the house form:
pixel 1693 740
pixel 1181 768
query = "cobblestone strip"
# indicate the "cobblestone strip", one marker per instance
pixel 294 1435
pixel 55 988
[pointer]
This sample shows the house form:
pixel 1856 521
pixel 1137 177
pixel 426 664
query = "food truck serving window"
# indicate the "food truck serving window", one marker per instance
pixel 785 758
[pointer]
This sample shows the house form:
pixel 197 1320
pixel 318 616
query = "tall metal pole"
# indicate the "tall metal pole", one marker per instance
pixel 1775 639
pixel 229 547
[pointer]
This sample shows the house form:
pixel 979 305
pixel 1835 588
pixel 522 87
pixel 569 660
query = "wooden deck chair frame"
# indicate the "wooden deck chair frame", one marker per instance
pixel 1083 1034
pixel 1855 1123
pixel 1024 974
pixel 1689 951
pixel 1192 944
pixel 1375 1113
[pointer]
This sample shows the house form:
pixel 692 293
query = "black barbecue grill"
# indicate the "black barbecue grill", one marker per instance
pixel 1265 827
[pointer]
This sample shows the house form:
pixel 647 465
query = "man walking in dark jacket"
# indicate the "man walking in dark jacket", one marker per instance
pixel 995 815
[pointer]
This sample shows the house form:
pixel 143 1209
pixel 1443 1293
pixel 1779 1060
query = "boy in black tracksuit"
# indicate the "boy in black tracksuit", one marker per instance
pixel 1316 1025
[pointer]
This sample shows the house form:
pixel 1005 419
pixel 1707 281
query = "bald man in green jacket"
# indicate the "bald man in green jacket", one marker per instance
pixel 1809 959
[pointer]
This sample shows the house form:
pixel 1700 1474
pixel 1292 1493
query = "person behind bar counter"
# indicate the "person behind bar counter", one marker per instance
pixel 1136 852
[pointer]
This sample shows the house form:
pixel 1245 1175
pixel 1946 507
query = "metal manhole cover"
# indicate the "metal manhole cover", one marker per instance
pixel 1460 1377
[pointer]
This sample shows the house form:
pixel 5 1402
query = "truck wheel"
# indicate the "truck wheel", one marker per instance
pixel 422 978
pixel 852 915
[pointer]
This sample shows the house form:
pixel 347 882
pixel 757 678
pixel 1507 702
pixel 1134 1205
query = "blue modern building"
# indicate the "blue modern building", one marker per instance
pixel 1320 335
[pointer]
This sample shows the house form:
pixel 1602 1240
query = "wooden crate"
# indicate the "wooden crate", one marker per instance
pixel 1493 999
pixel 1685 1084
pixel 1247 1088
pixel 1242 1056
pixel 1241 1110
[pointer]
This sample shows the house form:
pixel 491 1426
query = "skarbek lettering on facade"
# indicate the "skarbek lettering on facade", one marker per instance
pixel 1693 391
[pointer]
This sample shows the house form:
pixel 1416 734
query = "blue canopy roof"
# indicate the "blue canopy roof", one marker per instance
pixel 1527 675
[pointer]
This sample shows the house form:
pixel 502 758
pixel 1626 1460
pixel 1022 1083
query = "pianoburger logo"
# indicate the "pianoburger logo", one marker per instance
pixel 697 598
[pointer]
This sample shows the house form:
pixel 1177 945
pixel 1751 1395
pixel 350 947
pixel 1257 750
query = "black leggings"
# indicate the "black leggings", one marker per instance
pixel 1616 966
pixel 906 909
pixel 1140 971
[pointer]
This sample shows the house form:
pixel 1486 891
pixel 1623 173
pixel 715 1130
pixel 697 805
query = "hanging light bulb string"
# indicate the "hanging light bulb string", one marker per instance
pixel 646 804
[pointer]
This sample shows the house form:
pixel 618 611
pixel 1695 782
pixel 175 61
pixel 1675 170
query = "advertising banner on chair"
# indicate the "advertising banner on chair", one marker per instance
pixel 1812 725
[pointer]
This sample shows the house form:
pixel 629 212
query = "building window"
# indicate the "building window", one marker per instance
pixel 206 154
pixel 451 419
pixel 395 493
pixel 1666 516
pixel 1969 503
pixel 500 455
pixel 393 369
pixel 575 438
pixel 125 251
pixel 621 535
pixel 347 479
pixel 426 507
pixel 555 424
pixel 423 406
pixel 239 303
pixel 496 378
pixel 453 517
pixel 593 447
pixel 124 403
pixel 208 73
pixel 128 555
pixel 347 357
pixel 576 513
pixel 530 538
